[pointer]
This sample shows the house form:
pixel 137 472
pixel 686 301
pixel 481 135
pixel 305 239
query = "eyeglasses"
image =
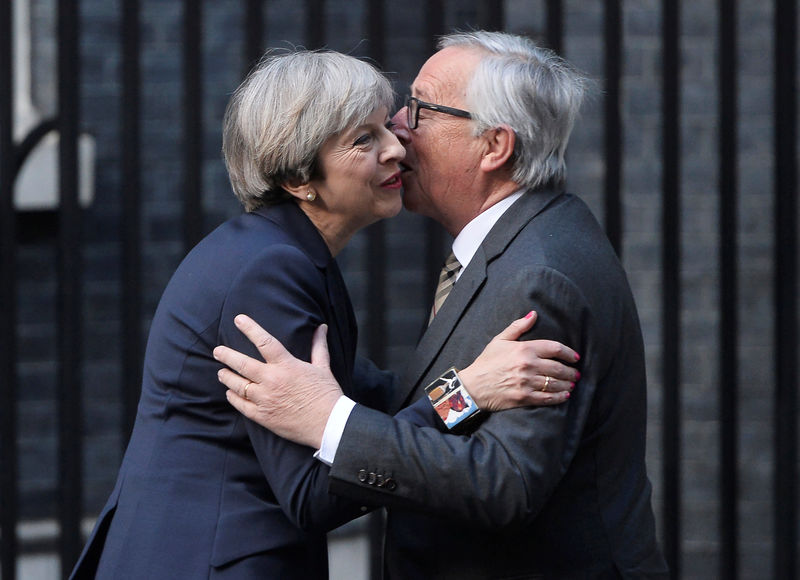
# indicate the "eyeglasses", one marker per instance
pixel 413 105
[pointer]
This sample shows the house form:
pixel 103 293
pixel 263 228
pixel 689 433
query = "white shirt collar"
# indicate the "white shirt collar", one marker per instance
pixel 471 237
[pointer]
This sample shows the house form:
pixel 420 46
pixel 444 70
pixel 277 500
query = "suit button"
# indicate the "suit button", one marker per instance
pixel 379 481
pixel 371 478
pixel 390 484
pixel 362 476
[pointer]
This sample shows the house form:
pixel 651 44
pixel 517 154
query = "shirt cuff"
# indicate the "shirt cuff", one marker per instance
pixel 334 429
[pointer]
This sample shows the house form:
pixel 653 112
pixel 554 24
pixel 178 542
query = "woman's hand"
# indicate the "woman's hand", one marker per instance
pixel 511 373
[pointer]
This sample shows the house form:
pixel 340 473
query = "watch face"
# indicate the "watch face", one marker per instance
pixel 451 400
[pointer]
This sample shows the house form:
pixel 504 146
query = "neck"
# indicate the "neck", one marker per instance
pixel 466 212
pixel 335 231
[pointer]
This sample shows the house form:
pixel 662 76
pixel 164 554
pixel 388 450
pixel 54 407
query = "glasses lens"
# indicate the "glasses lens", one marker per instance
pixel 411 112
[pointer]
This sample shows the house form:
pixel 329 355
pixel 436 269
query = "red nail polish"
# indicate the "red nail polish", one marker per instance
pixel 579 376
pixel 529 314
pixel 577 357
pixel 567 397
pixel 571 386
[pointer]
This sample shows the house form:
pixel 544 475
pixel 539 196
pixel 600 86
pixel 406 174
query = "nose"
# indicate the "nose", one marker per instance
pixel 393 151
pixel 400 128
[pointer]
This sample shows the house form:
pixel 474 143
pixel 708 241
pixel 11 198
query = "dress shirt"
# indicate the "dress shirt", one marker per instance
pixel 464 247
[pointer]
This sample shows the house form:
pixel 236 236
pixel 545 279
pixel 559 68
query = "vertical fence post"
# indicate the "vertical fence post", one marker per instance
pixel 376 284
pixel 376 233
pixel 491 14
pixel 69 277
pixel 612 34
pixel 671 299
pixel 786 337
pixel 131 217
pixel 8 326
pixel 315 23
pixel 192 123
pixel 434 234
pixel 253 32
pixel 555 25
pixel 729 324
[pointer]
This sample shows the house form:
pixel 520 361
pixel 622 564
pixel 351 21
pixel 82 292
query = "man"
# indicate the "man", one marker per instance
pixel 556 492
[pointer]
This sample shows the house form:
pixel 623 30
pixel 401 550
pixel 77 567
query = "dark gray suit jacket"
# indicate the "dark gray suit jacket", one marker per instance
pixel 550 492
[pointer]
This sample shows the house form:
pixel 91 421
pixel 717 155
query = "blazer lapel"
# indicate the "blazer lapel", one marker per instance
pixel 466 289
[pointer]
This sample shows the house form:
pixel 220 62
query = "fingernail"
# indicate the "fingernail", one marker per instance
pixel 529 314
pixel 579 375
pixel 567 397
pixel 214 353
pixel 571 386
pixel 238 319
pixel 577 357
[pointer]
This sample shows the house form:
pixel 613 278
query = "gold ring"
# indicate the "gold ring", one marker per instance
pixel 245 389
pixel 546 383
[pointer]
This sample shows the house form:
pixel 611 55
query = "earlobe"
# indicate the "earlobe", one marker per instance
pixel 500 143
pixel 298 190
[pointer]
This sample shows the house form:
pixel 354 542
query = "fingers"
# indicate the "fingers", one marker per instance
pixel 236 383
pixel 244 406
pixel 551 349
pixel 547 399
pixel 517 328
pixel 319 347
pixel 246 366
pixel 270 348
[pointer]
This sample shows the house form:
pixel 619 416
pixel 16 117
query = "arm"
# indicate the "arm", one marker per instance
pixel 513 461
pixel 507 374
pixel 287 293
pixel 507 469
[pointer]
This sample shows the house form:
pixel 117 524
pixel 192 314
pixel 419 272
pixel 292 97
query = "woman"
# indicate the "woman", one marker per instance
pixel 202 492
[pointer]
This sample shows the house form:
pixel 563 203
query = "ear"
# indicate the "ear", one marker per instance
pixel 297 188
pixel 500 142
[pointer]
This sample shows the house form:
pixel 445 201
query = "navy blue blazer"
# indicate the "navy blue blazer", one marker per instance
pixel 202 491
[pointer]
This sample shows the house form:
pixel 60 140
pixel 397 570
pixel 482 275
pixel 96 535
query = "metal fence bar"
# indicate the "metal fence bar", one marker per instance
pixel 130 141
pixel 786 336
pixel 70 410
pixel 612 35
pixel 491 15
pixel 671 298
pixel 434 233
pixel 9 493
pixel 192 123
pixel 729 322
pixel 555 25
pixel 376 234
pixel 377 283
pixel 315 23
pixel 253 32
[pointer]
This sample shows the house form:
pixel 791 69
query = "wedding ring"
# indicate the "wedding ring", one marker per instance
pixel 245 389
pixel 544 388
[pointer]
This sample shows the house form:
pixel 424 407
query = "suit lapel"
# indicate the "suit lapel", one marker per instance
pixel 292 220
pixel 466 289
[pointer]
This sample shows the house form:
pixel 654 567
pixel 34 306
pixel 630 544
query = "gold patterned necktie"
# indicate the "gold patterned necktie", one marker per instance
pixel 447 278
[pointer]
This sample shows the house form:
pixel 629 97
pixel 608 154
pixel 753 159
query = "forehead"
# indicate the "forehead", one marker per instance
pixel 445 74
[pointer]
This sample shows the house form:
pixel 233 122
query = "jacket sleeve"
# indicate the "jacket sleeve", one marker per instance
pixel 373 388
pixel 502 474
pixel 286 293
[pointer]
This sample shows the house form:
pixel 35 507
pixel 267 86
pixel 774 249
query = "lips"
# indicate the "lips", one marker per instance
pixel 393 181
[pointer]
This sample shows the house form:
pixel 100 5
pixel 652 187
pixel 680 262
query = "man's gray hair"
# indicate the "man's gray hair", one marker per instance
pixel 531 89
pixel 287 107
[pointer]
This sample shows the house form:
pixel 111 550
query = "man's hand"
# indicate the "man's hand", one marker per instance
pixel 290 397
pixel 511 373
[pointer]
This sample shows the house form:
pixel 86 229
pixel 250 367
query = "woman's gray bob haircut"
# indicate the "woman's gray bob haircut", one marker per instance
pixel 287 107
pixel 531 89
